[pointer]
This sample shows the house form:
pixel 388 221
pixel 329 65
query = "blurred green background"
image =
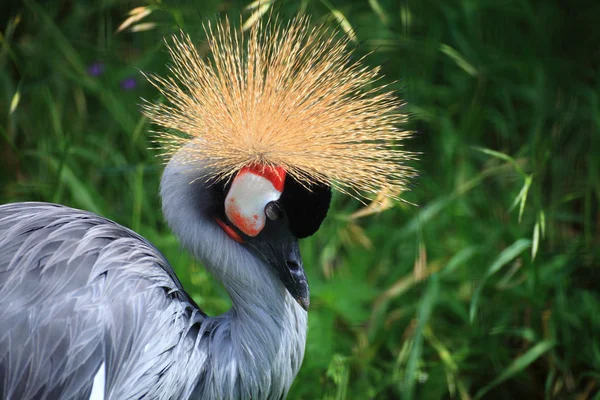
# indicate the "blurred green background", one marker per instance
pixel 489 288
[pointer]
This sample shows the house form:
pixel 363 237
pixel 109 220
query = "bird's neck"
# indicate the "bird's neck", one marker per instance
pixel 255 349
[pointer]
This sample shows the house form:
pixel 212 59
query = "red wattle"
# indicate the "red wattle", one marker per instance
pixel 229 231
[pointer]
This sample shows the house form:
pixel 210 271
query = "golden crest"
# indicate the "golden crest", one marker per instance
pixel 285 95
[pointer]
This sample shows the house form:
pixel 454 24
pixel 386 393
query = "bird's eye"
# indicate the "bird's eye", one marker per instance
pixel 273 211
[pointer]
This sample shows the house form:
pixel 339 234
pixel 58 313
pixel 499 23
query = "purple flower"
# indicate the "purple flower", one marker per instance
pixel 128 83
pixel 95 69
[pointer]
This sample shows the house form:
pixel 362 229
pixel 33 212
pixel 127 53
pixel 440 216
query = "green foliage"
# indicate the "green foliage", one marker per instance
pixel 487 289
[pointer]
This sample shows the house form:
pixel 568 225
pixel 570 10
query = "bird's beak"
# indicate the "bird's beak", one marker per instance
pixel 293 276
pixel 279 248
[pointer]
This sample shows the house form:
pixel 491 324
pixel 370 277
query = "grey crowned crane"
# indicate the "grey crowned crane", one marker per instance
pixel 254 135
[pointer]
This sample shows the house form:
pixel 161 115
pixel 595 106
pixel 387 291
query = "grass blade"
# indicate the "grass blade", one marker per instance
pixel 518 365
pixel 503 258
pixel 535 240
pixel 501 156
pixel 423 315
pixel 521 198
pixel 458 59
pixel 378 9
pixel 14 103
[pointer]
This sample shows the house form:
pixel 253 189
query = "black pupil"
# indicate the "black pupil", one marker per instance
pixel 272 210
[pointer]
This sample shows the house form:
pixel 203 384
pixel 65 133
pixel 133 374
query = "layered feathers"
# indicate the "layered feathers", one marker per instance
pixel 78 291
pixel 288 96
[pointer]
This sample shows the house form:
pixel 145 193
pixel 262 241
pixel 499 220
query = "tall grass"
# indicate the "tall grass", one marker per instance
pixel 488 289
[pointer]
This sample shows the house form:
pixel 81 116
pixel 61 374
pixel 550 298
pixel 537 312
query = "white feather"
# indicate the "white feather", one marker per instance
pixel 99 384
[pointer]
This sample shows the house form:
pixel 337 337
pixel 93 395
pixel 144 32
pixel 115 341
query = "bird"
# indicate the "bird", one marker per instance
pixel 255 136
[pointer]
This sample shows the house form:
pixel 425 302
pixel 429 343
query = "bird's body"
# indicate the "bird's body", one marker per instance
pixel 78 291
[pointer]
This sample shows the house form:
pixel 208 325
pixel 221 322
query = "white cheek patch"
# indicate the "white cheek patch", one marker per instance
pixel 245 203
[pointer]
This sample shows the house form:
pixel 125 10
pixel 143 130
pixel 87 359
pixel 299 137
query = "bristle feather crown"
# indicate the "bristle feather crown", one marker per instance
pixel 282 95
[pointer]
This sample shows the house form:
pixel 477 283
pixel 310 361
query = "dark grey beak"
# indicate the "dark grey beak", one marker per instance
pixel 279 248
pixel 293 276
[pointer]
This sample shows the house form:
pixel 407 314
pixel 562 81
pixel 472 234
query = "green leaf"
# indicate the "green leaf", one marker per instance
pixel 503 258
pixel 378 9
pixel 345 24
pixel 14 103
pixel 501 156
pixel 535 240
pixel 423 314
pixel 521 198
pixel 458 59
pixel 339 373
pixel 342 20
pixel 458 259
pixel 138 197
pixel 518 365
pixel 261 9
pixel 507 255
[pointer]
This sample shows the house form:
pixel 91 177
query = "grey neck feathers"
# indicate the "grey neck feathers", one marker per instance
pixel 255 349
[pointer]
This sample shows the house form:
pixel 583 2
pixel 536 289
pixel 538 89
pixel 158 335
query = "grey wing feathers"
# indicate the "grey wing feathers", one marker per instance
pixel 76 291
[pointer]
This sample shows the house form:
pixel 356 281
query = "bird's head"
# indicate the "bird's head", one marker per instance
pixel 275 117
pixel 266 210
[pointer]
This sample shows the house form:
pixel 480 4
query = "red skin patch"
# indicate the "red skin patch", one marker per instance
pixel 229 231
pixel 238 219
pixel 275 175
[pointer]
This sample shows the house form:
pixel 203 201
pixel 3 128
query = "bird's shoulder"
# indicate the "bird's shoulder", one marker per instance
pixel 39 238
pixel 78 290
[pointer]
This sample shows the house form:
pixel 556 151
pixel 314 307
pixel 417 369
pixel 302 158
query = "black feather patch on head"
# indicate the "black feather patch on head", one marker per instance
pixel 305 208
